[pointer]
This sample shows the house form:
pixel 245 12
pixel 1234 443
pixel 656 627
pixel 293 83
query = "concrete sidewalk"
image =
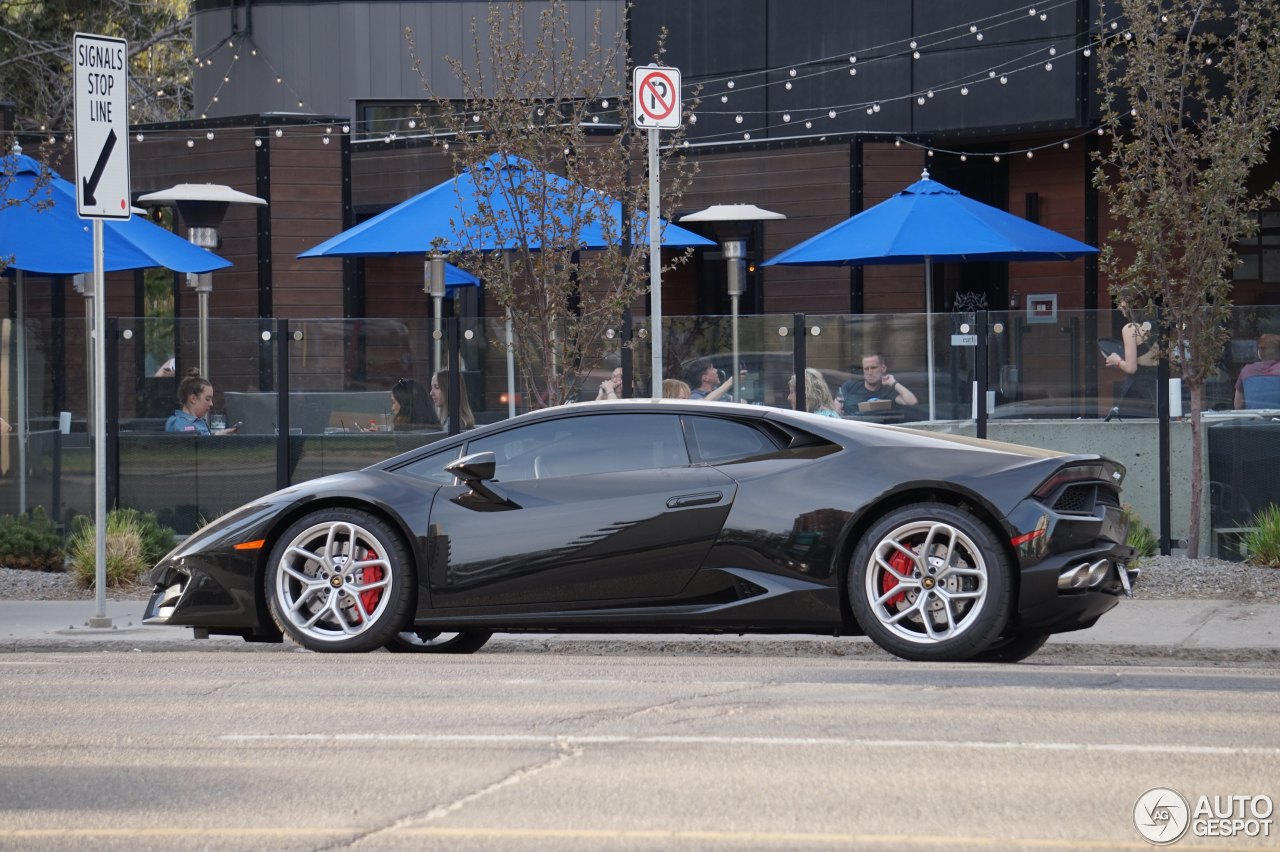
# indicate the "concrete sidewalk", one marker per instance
pixel 1173 626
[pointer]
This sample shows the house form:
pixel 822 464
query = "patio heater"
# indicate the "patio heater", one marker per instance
pixel 202 207
pixel 732 224
pixel 433 286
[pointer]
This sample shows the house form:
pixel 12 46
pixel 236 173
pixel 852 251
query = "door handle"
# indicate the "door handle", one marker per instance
pixel 702 499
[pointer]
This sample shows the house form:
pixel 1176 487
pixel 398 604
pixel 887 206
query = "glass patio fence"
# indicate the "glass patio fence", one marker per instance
pixel 1008 375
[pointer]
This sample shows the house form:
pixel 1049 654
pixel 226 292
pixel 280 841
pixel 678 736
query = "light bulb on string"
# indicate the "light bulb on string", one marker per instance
pixel 1066 145
pixel 138 138
pixel 257 143
pixel 191 143
pixel 1087 52
pixel 875 107
pixel 853 72
pixel 897 143
pixel 1003 79
pixel 1031 154
pixel 853 59
pixel 1044 16
pixel 996 158
pixel 963 158
pixel 929 93
pixel 413 124
pixel 792 72
pixel 299 104
pixel 787 85
pixel 475 118
pixel 724 99
pixel 913 44
pixel 1053 51
pixel 1048 66
pixel 279 80
pixel 1032 11
pixel 973 28
pixel 964 90
pixel 346 128
pixel 737 119
pixel 325 140
pixel 786 117
pixel 279 132
pixel 831 113
pixel 209 136
pixel 693 119
pixel 730 84
pixel 915 54
pixel 920 100
pixel 991 75
pixel 604 104
pixel 215 99
pixel 747 136
pixel 869 112
pixel 978 36
pixel 808 125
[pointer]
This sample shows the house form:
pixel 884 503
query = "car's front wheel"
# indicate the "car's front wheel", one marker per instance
pixel 931 582
pixel 434 642
pixel 341 580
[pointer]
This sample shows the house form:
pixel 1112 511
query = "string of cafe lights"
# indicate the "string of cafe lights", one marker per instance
pixel 325 129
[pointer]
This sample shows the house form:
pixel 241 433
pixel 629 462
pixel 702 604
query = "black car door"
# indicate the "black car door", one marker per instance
pixel 598 506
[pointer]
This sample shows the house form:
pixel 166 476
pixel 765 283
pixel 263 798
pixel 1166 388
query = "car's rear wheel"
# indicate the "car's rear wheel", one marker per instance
pixel 341 580
pixel 434 642
pixel 931 582
pixel 1012 649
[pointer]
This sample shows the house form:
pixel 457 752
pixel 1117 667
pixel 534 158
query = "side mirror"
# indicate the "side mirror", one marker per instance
pixel 473 468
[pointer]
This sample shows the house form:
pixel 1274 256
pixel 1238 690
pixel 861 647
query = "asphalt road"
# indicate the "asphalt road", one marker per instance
pixel 231 750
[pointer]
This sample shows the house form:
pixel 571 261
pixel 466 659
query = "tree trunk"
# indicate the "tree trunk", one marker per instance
pixel 1197 462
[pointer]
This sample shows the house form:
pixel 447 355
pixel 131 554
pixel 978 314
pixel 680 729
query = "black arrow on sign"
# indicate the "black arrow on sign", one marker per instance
pixel 91 182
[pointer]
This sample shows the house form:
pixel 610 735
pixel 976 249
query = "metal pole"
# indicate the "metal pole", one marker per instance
pixel 100 618
pixel 22 392
pixel 204 287
pixel 735 254
pixel 655 266
pixel 928 310
pixel 511 367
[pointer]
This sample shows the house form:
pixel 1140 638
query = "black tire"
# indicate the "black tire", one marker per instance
pixel 324 600
pixel 1013 649
pixel 432 642
pixel 949 605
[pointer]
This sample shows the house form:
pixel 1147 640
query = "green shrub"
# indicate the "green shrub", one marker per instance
pixel 1141 537
pixel 32 542
pixel 135 542
pixel 1263 542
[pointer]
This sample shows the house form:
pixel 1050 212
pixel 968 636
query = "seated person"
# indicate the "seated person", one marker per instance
pixel 1268 364
pixel 675 389
pixel 877 383
pixel 440 397
pixel 411 406
pixel 707 382
pixel 195 398
pixel 817 396
pixel 611 388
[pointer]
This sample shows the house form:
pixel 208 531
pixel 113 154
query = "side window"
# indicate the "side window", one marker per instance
pixel 580 446
pixel 716 440
pixel 431 468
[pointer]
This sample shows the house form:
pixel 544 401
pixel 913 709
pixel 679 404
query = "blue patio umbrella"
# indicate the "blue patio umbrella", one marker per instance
pixel 55 241
pixel 41 234
pixel 440 217
pixel 926 222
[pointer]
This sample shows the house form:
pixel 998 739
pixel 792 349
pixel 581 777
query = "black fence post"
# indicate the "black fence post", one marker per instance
pixel 627 367
pixel 454 400
pixel 111 411
pixel 281 365
pixel 1162 411
pixel 983 365
pixel 800 358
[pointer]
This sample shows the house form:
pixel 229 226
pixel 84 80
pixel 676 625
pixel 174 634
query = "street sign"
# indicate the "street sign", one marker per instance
pixel 101 88
pixel 656 97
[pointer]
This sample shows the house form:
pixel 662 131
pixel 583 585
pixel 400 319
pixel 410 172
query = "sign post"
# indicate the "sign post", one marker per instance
pixel 655 106
pixel 101 85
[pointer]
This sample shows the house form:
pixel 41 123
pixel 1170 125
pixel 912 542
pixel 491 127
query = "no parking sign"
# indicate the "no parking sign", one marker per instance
pixel 656 97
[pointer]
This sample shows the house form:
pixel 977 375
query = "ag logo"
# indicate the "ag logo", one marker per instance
pixel 1161 815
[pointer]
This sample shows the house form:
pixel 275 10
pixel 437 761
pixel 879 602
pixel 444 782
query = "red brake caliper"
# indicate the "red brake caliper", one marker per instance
pixel 371 574
pixel 901 565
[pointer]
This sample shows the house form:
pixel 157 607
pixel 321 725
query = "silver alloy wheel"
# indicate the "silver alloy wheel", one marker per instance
pixel 926 581
pixel 334 581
